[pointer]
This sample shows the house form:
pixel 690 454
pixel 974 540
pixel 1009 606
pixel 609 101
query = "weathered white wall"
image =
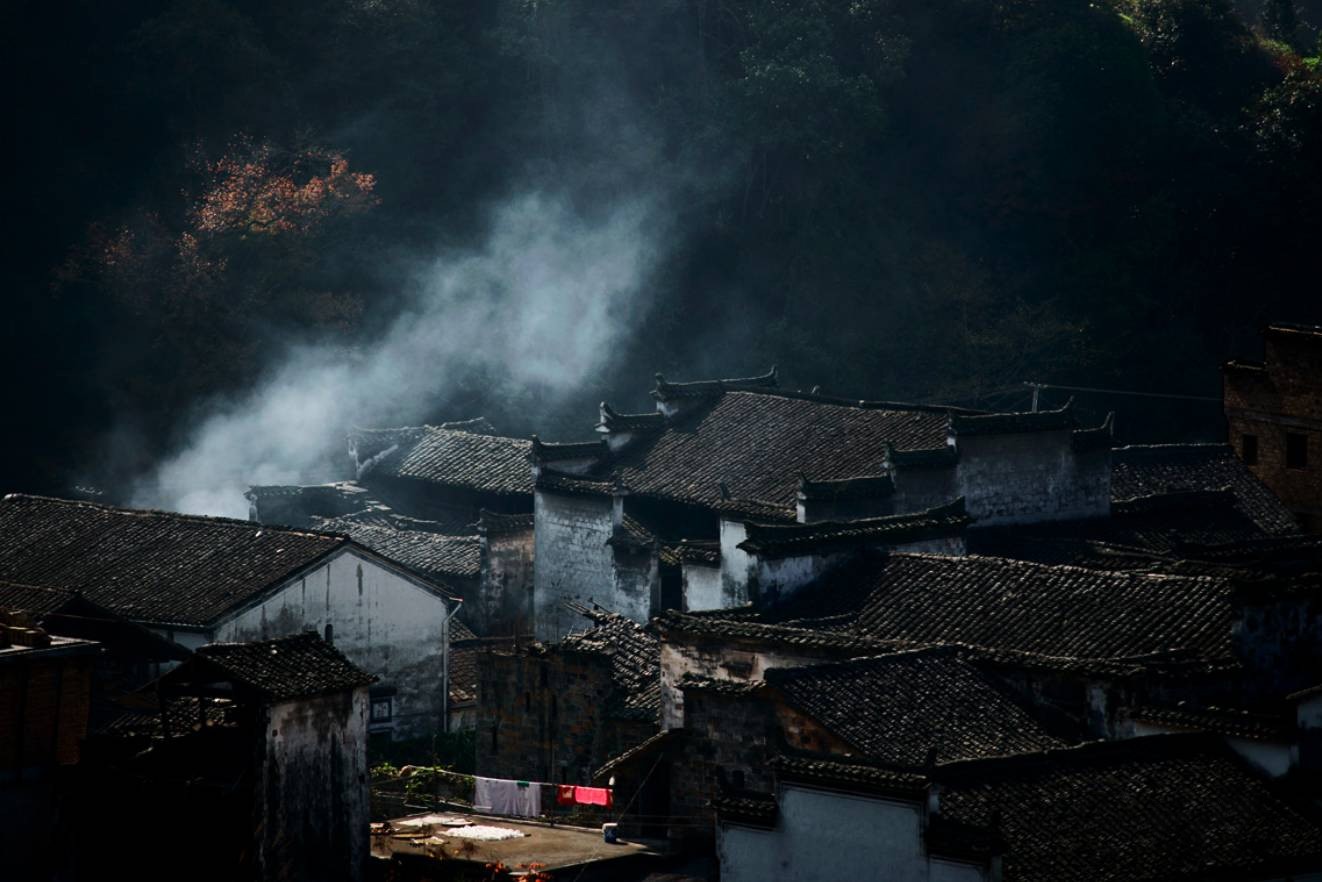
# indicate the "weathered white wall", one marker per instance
pixel 572 559
pixel 702 587
pixel 737 565
pixel 1308 713
pixel 636 584
pixel 504 601
pixel 311 802
pixel 1039 476
pixel 382 621
pixel 829 836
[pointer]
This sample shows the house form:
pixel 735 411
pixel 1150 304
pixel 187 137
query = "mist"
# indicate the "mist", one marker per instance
pixel 539 307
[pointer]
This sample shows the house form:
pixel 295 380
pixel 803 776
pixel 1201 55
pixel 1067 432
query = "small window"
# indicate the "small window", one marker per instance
pixel 1248 449
pixel 330 633
pixel 383 709
pixel 1296 450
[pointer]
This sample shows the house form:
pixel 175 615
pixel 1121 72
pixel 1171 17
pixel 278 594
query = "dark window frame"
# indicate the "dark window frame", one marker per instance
pixel 1248 448
pixel 1296 450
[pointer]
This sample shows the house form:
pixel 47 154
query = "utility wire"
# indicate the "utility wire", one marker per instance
pixel 1032 385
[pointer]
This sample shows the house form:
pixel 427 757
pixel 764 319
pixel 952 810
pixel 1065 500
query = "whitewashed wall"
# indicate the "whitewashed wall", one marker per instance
pixel 829 836
pixel 702 587
pixel 382 620
pixel 572 559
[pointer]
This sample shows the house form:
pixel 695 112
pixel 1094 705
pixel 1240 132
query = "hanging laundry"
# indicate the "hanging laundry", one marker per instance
pixel 498 796
pixel 594 796
pixel 564 794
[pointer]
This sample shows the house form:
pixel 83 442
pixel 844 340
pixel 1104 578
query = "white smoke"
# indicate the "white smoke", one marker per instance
pixel 540 306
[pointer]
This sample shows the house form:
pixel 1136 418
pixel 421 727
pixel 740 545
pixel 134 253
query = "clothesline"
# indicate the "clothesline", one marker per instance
pixel 505 796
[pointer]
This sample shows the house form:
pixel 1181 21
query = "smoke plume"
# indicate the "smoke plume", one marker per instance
pixel 539 307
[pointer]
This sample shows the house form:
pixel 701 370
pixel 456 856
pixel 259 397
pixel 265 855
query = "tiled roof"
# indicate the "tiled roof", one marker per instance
pixel 435 555
pixel 665 391
pixel 657 743
pixel 1014 423
pixel 768 512
pixel 720 627
pixel 289 667
pixel 484 463
pixel 777 540
pixel 1151 470
pixel 853 774
pixel 757 443
pixel 896 708
pixel 492 523
pixel 1147 809
pixel 614 421
pixel 1234 722
pixel 750 809
pixel 150 566
pixel 862 487
pixel 546 451
pixel 1056 611
pixel 635 656
pixel 719 685
pixel 34 599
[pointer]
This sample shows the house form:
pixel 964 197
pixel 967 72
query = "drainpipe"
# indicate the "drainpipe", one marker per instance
pixel 445 667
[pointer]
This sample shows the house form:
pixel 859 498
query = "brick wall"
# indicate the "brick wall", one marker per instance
pixel 43 711
pixel 1281 397
pixel 550 711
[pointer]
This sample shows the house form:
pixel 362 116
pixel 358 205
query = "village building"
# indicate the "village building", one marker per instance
pixel 555 712
pixel 45 696
pixel 197 580
pixel 1148 809
pixel 904 710
pixel 1040 615
pixel 1274 417
pixel 257 754
pixel 632 522
pixel 445 473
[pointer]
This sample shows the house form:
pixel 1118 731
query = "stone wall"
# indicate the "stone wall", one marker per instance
pixel 545 714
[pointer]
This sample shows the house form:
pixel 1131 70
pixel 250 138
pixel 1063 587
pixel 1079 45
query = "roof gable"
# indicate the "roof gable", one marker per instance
pixel 289 667
pixel 151 566
pixel 483 463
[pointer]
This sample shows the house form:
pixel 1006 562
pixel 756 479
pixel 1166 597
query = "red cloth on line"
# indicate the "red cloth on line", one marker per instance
pixel 593 796
pixel 564 794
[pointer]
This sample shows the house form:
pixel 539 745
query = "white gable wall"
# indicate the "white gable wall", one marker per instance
pixel 381 620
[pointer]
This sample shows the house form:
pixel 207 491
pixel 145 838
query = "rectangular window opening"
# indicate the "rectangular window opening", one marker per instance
pixel 1248 449
pixel 1296 450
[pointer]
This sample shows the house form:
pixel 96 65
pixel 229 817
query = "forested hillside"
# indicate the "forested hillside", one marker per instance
pixel 912 199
